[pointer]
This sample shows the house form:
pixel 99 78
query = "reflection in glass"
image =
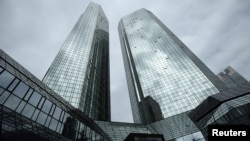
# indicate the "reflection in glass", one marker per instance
pixel 4 96
pixel 5 79
pixel 34 99
pixel 82 65
pixel 41 118
pixel 52 109
pixel 46 107
pixel 28 94
pixel 12 102
pixel 13 85
pixel 35 114
pixel 53 124
pixel 41 102
pixel 28 110
pixel 20 107
pixel 48 121
pixel 58 127
pixel 157 66
pixel 1 90
pixel 62 115
pixel 57 113
pixel 21 89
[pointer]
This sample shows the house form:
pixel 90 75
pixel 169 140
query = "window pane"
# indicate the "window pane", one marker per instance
pixel 12 102
pixel 28 110
pixel 21 89
pixel 4 96
pixel 52 110
pixel 61 129
pixel 35 114
pixel 34 99
pixel 28 94
pixel 61 118
pixel 58 127
pixel 53 124
pixel 20 107
pixel 13 85
pixel 48 121
pixel 5 79
pixel 41 102
pixel 57 113
pixel 47 105
pixel 1 90
pixel 41 118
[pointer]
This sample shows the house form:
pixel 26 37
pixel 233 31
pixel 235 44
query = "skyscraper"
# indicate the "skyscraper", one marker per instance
pixel 80 71
pixel 164 77
pixel 231 78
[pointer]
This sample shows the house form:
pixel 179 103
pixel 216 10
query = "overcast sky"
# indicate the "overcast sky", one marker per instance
pixel 217 31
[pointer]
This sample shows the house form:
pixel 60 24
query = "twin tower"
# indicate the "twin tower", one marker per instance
pixel 164 77
pixel 174 95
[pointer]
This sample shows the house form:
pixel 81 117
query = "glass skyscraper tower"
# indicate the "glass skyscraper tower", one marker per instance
pixel 80 71
pixel 164 77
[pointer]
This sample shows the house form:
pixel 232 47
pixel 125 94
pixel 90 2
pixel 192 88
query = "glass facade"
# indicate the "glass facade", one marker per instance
pixel 118 131
pixel 231 78
pixel 80 71
pixel 164 77
pixel 30 110
pixel 174 96
pixel 175 128
pixel 230 107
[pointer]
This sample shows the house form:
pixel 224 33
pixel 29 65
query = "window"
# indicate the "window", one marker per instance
pixel 57 113
pixel 41 102
pixel 28 110
pixel 34 99
pixel 20 107
pixel 1 90
pixel 35 114
pixel 61 118
pixel 12 102
pixel 59 127
pixel 48 121
pixel 53 124
pixel 52 109
pixel 46 107
pixel 21 89
pixel 41 118
pixel 4 96
pixel 13 85
pixel 28 94
pixel 5 79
